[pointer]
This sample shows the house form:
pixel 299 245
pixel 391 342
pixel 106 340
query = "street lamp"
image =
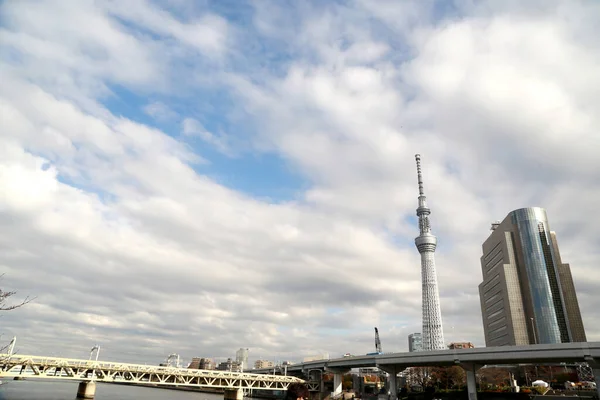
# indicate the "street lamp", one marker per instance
pixel 97 348
pixel 11 346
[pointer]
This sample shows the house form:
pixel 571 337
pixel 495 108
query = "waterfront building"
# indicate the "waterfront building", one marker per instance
pixel 241 356
pixel 229 365
pixel 195 364
pixel 461 345
pixel 415 342
pixel 259 364
pixel 201 363
pixel 206 363
pixel 527 295
pixel 426 242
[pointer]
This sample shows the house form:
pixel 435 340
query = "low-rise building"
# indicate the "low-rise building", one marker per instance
pixel 259 364
pixel 230 365
pixel 202 363
pixel 461 345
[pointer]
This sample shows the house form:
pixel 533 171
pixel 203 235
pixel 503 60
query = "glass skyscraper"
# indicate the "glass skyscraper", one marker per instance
pixel 415 342
pixel 527 294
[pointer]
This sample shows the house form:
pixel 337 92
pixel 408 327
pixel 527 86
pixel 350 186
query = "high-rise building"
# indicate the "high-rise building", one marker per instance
pixel 241 356
pixel 415 342
pixel 433 333
pixel 527 295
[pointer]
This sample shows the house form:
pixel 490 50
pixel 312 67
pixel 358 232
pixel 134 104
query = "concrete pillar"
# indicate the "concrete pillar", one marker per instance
pixel 393 378
pixel 86 390
pixel 596 370
pixel 471 380
pixel 233 394
pixel 337 384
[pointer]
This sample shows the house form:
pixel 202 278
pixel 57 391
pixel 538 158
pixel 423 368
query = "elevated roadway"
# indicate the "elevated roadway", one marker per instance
pixel 469 359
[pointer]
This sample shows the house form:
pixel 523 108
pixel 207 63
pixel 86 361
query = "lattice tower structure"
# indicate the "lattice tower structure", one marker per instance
pixel 426 242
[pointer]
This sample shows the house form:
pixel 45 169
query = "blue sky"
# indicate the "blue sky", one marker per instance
pixel 241 174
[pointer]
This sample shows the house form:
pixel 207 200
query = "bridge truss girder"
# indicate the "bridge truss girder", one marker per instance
pixel 87 370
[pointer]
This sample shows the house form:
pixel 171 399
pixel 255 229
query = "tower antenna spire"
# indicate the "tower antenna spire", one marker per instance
pixel 419 175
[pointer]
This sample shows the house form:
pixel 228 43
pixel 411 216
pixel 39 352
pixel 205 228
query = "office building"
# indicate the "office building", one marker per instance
pixel 259 364
pixel 415 342
pixel 229 365
pixel 241 356
pixel 195 364
pixel 201 363
pixel 527 295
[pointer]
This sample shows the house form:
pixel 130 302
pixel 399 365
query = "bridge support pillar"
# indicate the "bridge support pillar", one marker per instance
pixel 596 370
pixel 337 384
pixel 234 394
pixel 471 369
pixel 392 371
pixel 86 390
pixel 338 375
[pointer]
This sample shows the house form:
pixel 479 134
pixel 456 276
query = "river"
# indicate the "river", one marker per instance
pixel 49 390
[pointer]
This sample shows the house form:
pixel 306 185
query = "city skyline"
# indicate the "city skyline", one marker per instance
pixel 192 177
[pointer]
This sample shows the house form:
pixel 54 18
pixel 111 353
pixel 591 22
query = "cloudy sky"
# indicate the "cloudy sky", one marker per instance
pixel 199 176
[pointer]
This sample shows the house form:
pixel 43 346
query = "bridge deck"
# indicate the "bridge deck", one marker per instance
pixel 105 371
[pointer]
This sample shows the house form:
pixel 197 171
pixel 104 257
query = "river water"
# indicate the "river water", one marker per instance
pixel 49 390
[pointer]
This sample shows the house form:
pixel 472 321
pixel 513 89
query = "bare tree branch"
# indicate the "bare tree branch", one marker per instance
pixel 4 296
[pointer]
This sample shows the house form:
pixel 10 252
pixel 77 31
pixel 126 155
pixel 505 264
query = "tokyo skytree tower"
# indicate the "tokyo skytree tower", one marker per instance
pixel 433 334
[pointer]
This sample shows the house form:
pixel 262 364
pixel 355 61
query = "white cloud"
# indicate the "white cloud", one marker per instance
pixel 501 103
pixel 192 127
pixel 159 111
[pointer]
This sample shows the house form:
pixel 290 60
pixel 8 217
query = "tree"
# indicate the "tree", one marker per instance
pixel 495 376
pixel 4 296
pixel 419 376
pixel 5 306
pixel 347 382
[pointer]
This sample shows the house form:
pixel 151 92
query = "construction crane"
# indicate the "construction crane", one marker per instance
pixel 377 344
pixel 377 341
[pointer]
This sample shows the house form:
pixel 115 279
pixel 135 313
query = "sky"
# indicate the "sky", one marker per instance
pixel 193 177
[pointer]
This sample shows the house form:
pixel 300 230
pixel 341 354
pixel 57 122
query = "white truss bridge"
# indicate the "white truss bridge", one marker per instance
pixel 30 367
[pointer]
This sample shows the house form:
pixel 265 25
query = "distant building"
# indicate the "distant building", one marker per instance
pixel 195 364
pixel 259 364
pixel 461 345
pixel 527 295
pixel 207 363
pixel 415 342
pixel 324 356
pixel 241 356
pixel 201 363
pixel 229 365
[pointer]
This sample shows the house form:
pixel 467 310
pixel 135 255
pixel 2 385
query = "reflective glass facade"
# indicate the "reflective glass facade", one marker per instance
pixel 548 313
pixel 527 295
pixel 415 342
